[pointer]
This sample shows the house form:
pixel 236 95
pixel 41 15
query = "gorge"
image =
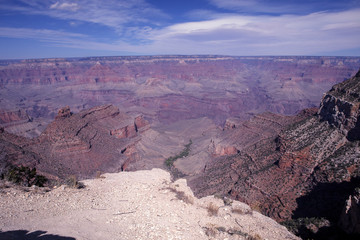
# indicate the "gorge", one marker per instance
pixel 257 131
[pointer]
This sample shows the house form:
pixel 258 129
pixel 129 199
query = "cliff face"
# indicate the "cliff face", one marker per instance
pixel 350 216
pixel 308 169
pixel 187 68
pixel 341 106
pixel 79 144
pixel 169 88
pixel 13 117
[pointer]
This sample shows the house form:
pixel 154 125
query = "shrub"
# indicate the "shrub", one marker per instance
pixel 256 207
pixel 25 176
pixel 241 211
pixel 300 226
pixel 210 231
pixel 254 237
pixel 182 196
pixel 212 209
pixel 72 182
pixel 99 175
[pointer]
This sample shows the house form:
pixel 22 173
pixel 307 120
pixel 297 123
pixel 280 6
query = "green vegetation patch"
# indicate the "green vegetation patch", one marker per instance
pixel 305 226
pixel 169 162
pixel 24 176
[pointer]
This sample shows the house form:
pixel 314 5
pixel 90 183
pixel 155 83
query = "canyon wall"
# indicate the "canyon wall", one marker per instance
pixel 168 88
pixel 309 167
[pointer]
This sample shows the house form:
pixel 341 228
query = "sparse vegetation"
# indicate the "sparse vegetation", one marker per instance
pixel 210 231
pixel 72 182
pixel 182 196
pixel 212 209
pixel 227 201
pixel 170 161
pixel 221 229
pixel 24 176
pixel 254 237
pixel 233 231
pixel 295 225
pixel 99 175
pixel 239 210
pixel 256 207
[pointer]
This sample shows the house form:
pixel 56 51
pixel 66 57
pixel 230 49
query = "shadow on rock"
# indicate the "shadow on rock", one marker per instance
pixel 325 202
pixel 26 235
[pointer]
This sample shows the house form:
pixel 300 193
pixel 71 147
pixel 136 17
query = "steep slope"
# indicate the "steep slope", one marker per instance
pixel 340 107
pixel 97 139
pixel 309 169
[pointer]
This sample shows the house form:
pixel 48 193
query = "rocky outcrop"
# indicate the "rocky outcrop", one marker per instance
pixel 64 113
pixel 80 144
pixel 8 118
pixel 132 129
pixel 307 168
pixel 350 217
pixel 15 150
pixel 125 132
pixel 131 205
pixel 341 107
pixel 231 123
pixel 225 150
pixel 140 122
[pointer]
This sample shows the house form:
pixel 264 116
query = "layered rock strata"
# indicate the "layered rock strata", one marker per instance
pixel 79 144
pixel 307 169
pixel 168 88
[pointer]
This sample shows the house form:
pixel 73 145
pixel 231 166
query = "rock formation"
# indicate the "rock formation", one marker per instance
pixel 168 88
pixel 64 113
pixel 79 144
pixel 130 205
pixel 308 169
pixel 341 107
pixel 350 217
pixel 13 117
pixel 287 166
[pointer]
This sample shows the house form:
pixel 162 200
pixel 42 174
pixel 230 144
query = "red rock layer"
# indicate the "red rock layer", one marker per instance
pixel 307 168
pixel 79 144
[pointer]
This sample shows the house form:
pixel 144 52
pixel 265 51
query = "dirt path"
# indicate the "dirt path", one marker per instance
pixel 130 205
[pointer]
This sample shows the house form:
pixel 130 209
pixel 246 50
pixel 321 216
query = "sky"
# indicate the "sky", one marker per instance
pixel 81 28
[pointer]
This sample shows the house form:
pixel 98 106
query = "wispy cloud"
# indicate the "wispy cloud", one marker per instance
pixel 116 14
pixel 40 34
pixel 282 6
pixel 234 34
pixel 285 34
pixel 235 3
pixel 212 33
pixel 62 39
pixel 252 6
pixel 65 6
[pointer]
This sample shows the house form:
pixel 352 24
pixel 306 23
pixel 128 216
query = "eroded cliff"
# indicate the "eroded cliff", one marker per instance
pixel 308 169
pixel 80 144
pixel 168 88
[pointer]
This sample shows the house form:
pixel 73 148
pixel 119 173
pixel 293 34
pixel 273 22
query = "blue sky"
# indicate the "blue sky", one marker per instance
pixel 78 28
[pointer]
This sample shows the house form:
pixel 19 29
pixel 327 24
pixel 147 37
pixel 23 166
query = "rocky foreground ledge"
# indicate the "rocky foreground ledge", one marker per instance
pixel 129 205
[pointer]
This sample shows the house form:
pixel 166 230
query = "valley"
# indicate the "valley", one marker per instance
pixel 273 132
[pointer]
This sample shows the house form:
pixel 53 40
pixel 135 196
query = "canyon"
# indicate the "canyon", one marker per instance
pixel 278 133
pixel 165 89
